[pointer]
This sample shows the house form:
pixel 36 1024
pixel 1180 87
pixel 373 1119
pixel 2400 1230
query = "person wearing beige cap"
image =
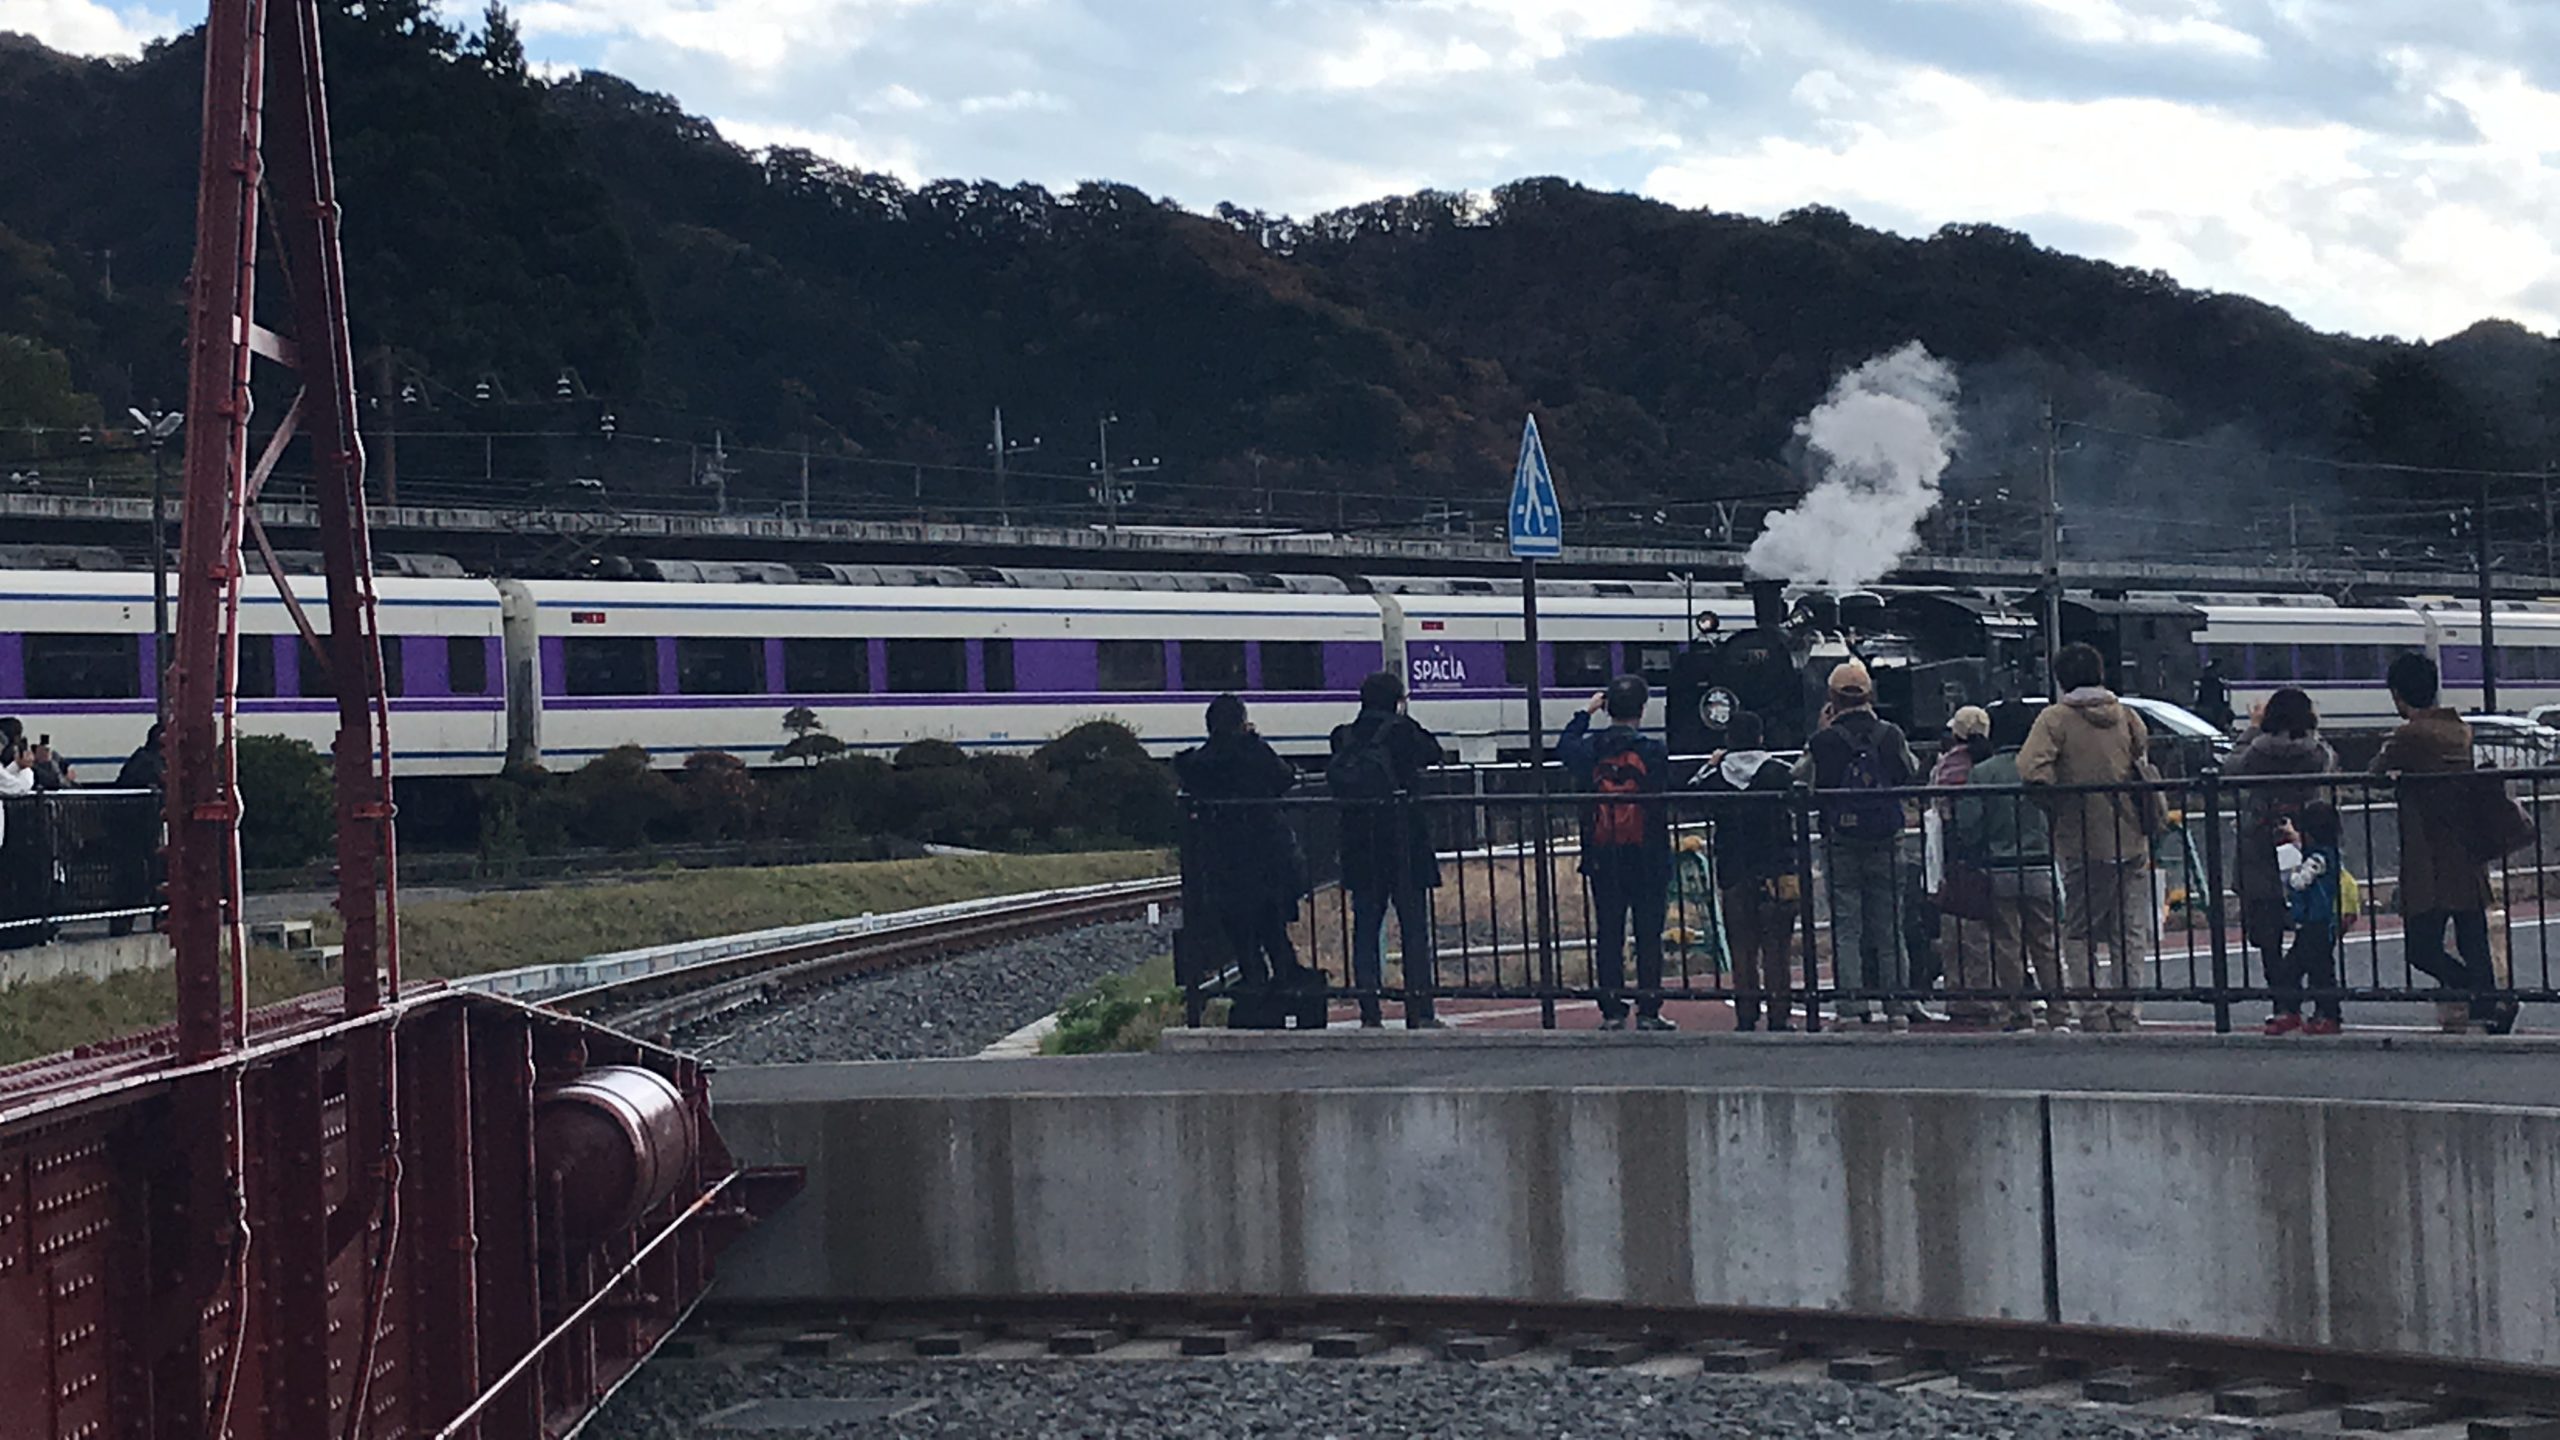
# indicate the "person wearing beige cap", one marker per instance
pixel 1956 886
pixel 1854 762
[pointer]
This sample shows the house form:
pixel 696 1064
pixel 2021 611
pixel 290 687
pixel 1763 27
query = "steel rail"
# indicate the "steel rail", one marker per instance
pixel 664 1002
pixel 2346 1371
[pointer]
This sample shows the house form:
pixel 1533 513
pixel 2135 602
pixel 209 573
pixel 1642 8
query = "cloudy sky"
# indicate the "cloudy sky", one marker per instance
pixel 2379 166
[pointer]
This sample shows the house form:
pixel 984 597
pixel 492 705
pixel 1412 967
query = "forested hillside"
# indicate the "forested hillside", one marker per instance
pixel 502 228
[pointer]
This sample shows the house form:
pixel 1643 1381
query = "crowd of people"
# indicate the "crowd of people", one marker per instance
pixel 33 855
pixel 2035 874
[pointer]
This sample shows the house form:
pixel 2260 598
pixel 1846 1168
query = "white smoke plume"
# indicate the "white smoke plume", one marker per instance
pixel 1879 442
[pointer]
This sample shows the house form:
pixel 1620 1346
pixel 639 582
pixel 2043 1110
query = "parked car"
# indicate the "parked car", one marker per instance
pixel 2512 742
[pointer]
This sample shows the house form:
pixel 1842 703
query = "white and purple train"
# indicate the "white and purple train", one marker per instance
pixel 485 671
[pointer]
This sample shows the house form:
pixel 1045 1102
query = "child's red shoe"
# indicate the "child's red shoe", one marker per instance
pixel 2283 1024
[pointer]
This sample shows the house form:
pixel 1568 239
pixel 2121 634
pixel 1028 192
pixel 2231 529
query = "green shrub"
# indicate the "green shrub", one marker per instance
pixel 1125 1012
pixel 616 801
pixel 288 808
pixel 929 754
pixel 722 800
pixel 1132 799
pixel 835 799
pixel 945 804
pixel 1092 743
pixel 1025 802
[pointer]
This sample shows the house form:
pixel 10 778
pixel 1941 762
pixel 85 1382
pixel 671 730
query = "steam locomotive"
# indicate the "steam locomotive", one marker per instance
pixel 1929 653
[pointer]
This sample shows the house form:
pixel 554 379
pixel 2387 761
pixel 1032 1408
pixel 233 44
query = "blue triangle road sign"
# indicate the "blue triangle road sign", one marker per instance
pixel 1537 521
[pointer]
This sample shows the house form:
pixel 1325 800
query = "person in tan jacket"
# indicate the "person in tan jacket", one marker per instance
pixel 2440 882
pixel 2088 737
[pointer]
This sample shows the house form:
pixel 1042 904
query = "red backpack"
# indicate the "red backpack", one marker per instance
pixel 1616 821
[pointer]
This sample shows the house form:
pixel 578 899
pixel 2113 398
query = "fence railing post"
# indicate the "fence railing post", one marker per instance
pixel 2212 787
pixel 1800 823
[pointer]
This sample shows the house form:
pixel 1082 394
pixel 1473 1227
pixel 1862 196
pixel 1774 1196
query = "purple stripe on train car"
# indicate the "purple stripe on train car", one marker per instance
pixel 667 665
pixel 1055 666
pixel 288 652
pixel 973 667
pixel 13 666
pixel 776 668
pixel 877 663
pixel 555 665
pixel 2461 664
pixel 1348 662
pixel 423 671
pixel 1253 665
pixel 1173 665
pixel 493 665
pixel 1439 667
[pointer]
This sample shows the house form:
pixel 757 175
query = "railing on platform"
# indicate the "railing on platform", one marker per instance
pixel 78 858
pixel 2006 905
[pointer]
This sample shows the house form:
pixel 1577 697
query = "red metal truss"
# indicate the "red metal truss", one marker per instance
pixel 470 1303
pixel 363 1214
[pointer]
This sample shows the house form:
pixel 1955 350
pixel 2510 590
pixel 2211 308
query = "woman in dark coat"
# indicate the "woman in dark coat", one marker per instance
pixel 2286 741
pixel 1244 857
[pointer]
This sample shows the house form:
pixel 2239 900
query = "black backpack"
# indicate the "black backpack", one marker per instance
pixel 1869 813
pixel 1361 769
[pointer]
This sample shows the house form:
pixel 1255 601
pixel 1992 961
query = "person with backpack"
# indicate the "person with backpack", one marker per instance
pixel 2307 851
pixel 1758 888
pixel 2444 879
pixel 2102 836
pixel 1388 862
pixel 2286 742
pixel 1626 845
pixel 1854 762
pixel 1240 849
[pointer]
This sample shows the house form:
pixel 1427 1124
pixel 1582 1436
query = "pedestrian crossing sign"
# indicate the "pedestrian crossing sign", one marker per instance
pixel 1537 521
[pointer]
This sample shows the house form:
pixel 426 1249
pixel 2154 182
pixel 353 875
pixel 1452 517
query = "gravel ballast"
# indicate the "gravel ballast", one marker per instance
pixel 953 1007
pixel 1163 1400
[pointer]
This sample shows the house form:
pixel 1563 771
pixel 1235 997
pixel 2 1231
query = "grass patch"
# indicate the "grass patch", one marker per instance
pixel 1124 1013
pixel 451 938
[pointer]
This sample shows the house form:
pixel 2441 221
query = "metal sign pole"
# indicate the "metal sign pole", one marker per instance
pixel 1549 970
pixel 1537 530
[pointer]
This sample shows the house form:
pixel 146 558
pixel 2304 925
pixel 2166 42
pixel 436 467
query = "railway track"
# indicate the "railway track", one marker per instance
pixel 663 1003
pixel 2153 1376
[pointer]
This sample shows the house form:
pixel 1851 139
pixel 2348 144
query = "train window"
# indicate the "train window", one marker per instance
pixel 257 677
pixel 928 667
pixel 2271 662
pixel 1582 663
pixel 1210 666
pixel 1130 664
pixel 311 679
pixel 466 665
pixel 1517 668
pixel 996 666
pixel 2359 662
pixel 610 664
pixel 719 665
pixel 1653 662
pixel 1292 665
pixel 2234 660
pixel 831 665
pixel 83 667
pixel 2316 662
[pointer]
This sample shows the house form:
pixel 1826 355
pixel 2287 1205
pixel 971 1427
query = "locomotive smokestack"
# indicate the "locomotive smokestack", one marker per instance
pixel 1768 603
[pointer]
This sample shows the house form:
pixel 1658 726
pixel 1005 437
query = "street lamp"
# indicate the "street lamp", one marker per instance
pixel 1107 478
pixel 154 431
pixel 1003 451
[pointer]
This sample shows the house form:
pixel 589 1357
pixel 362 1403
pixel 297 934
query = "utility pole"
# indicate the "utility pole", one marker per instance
pixel 2052 549
pixel 2488 609
pixel 1108 476
pixel 387 387
pixel 156 430
pixel 1003 451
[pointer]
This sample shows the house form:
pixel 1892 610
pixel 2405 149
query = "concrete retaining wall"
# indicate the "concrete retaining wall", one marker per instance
pixel 95 958
pixel 2412 1229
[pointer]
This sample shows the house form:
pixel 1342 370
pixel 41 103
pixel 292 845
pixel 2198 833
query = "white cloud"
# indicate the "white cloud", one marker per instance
pixel 85 27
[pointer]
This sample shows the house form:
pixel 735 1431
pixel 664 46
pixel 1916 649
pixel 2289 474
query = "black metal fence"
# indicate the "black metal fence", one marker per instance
pixel 2092 907
pixel 78 858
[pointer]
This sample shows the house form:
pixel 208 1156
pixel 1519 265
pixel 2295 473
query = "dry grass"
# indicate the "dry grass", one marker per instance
pixel 448 938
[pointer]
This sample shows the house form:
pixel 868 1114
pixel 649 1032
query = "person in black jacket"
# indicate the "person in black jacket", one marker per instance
pixel 1240 846
pixel 1387 856
pixel 1757 879
pixel 135 837
pixel 1626 845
